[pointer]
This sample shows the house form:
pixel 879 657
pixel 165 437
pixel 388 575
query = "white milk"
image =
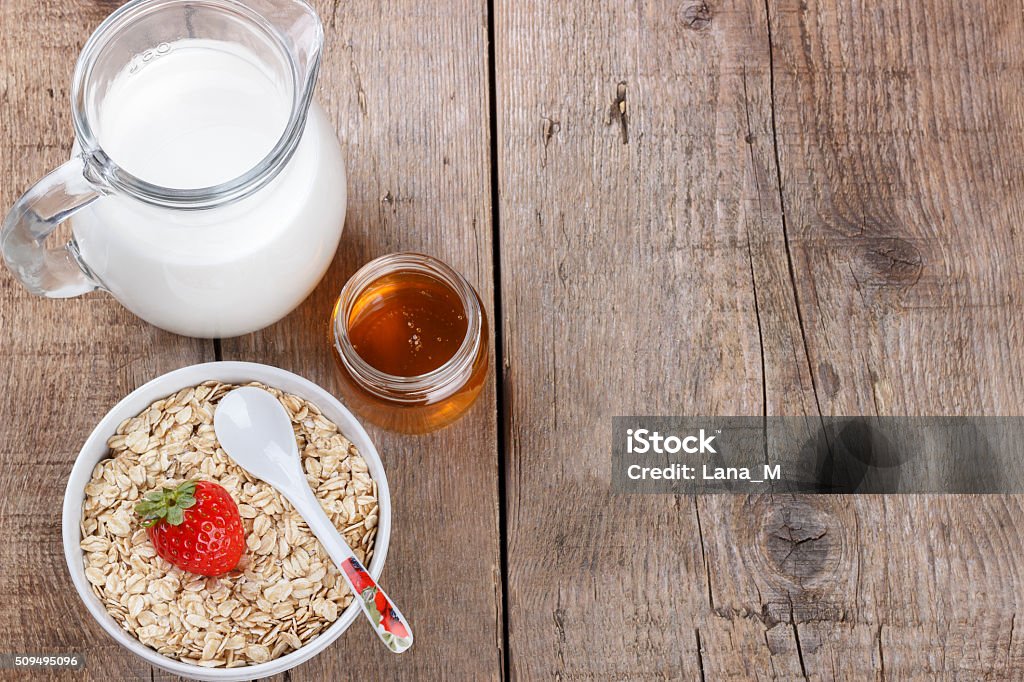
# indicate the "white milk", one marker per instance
pixel 200 115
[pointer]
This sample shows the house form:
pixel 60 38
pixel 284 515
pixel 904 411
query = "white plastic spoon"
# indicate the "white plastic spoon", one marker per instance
pixel 256 432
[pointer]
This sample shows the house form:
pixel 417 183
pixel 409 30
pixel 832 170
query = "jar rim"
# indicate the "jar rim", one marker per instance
pixel 431 386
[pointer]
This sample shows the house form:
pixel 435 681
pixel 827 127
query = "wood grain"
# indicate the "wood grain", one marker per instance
pixel 898 134
pixel 407 85
pixel 631 225
pixel 897 161
pixel 744 208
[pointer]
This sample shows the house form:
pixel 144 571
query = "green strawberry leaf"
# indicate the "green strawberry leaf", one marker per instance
pixel 168 504
pixel 175 516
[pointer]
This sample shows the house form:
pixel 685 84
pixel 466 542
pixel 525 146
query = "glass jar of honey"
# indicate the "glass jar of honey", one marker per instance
pixel 410 336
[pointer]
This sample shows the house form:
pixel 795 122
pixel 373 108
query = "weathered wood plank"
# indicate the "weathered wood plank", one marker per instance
pixel 407 85
pixel 640 238
pixel 899 137
pixel 65 363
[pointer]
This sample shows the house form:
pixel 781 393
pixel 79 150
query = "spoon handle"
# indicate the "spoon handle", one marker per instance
pixel 388 622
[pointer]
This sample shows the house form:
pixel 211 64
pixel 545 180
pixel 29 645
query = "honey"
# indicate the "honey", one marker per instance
pixel 410 337
pixel 407 323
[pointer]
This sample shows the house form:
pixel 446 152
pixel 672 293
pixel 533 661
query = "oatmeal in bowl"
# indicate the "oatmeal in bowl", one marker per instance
pixel 285 600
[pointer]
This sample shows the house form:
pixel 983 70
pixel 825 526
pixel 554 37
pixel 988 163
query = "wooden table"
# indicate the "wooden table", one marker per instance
pixel 725 207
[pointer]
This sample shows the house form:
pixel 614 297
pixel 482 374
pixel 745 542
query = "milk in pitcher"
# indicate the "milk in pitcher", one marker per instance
pixel 197 114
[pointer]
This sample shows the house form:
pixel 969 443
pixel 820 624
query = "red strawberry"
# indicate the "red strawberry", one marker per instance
pixel 195 526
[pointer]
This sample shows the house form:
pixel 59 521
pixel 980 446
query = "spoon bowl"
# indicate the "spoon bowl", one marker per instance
pixel 254 429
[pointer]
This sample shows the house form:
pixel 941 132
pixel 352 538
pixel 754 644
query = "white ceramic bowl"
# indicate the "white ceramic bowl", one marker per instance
pixel 95 449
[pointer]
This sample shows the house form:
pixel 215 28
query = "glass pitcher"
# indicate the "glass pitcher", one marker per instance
pixel 206 189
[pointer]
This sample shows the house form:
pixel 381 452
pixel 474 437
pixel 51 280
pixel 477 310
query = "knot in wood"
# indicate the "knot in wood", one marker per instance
pixel 828 379
pixel 697 16
pixel 892 261
pixel 800 540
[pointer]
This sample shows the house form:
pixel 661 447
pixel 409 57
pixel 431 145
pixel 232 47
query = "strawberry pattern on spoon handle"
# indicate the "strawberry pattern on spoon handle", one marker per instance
pixel 389 622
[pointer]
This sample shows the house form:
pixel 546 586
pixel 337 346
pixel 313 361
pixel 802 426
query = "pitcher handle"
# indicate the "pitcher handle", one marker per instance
pixel 54 272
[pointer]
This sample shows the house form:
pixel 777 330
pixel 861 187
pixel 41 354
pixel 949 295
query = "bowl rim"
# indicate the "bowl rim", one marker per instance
pixel 227 371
